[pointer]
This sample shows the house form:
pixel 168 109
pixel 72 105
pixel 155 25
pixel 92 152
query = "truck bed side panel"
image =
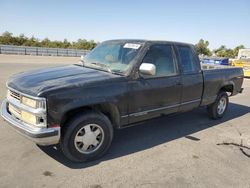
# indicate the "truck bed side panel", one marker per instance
pixel 217 78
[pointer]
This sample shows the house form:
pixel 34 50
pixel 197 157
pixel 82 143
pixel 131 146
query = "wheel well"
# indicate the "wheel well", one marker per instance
pixel 228 88
pixel 110 110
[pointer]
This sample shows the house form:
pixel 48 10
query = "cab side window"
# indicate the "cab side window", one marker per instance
pixel 162 56
pixel 187 59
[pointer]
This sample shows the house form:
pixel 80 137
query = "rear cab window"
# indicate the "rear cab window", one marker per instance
pixel 188 62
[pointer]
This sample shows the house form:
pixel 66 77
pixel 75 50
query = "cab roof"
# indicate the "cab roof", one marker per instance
pixel 148 41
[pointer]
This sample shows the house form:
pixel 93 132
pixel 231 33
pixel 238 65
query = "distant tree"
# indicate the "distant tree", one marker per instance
pixel 6 38
pixel 32 42
pixel 21 40
pixel 222 48
pixel 84 44
pixel 221 51
pixel 227 52
pixel 66 43
pixel 45 42
pixel 202 48
pixel 237 48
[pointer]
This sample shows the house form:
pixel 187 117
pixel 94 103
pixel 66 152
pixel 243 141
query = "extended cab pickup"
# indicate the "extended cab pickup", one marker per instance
pixel 119 83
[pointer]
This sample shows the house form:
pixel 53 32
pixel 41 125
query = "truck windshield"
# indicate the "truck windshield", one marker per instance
pixel 114 57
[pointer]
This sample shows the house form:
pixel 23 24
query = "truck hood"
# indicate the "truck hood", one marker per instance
pixel 37 82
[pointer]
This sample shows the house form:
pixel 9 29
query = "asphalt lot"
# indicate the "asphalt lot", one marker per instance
pixel 186 150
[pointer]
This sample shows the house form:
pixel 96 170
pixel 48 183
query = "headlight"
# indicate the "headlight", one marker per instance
pixel 33 103
pixel 33 119
pixel 29 102
pixel 28 117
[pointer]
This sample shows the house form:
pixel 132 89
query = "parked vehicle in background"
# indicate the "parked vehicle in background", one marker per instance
pixel 243 61
pixel 244 64
pixel 120 83
pixel 215 60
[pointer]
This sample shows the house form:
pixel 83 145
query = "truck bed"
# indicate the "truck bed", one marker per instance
pixel 217 76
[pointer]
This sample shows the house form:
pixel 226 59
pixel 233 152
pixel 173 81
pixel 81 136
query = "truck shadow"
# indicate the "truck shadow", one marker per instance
pixel 152 133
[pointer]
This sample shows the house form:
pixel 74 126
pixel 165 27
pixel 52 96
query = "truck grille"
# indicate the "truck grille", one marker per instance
pixel 24 113
pixel 15 95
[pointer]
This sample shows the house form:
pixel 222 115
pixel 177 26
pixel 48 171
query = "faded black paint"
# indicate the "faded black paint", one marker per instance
pixel 69 87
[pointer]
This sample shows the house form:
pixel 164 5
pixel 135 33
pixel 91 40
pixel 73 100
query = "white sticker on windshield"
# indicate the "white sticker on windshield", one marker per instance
pixel 131 45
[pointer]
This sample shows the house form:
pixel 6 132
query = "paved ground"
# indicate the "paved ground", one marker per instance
pixel 187 150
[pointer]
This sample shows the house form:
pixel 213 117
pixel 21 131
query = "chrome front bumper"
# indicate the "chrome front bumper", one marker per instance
pixel 41 136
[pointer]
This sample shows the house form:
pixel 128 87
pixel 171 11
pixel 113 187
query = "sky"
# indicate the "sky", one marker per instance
pixel 221 22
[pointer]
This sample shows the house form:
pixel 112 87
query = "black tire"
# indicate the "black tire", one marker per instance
pixel 71 128
pixel 213 108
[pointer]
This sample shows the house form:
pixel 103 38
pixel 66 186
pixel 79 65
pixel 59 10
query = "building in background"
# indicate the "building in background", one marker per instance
pixel 244 54
pixel 243 61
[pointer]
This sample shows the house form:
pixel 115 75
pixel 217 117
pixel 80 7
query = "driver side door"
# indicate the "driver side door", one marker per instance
pixel 159 94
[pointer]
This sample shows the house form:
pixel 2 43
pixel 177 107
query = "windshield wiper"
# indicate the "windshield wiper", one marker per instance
pixel 106 67
pixel 118 72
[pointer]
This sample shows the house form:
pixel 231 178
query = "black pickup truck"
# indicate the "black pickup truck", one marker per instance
pixel 119 83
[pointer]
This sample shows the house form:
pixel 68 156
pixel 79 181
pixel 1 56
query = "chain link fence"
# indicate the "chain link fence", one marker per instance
pixel 40 51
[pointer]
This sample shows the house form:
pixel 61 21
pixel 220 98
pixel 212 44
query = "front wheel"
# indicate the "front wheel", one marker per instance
pixel 219 107
pixel 86 137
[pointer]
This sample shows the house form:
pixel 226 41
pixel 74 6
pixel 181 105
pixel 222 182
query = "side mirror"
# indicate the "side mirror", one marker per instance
pixel 147 69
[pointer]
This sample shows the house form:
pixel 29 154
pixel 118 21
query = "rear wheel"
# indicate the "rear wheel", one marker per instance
pixel 219 107
pixel 86 137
